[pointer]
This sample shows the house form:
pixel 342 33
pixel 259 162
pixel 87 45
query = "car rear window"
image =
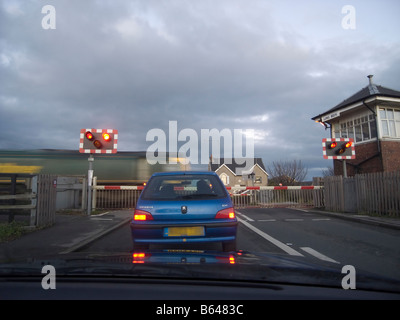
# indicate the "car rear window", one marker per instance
pixel 190 187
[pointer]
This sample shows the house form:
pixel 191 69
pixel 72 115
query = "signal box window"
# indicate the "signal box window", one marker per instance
pixel 390 122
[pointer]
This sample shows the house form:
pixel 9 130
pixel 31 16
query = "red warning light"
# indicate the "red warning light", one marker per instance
pixel 333 145
pixel 97 144
pixel 344 147
pixel 89 135
pixel 106 136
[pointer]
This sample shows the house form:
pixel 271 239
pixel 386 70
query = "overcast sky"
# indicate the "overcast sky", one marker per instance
pixel 237 64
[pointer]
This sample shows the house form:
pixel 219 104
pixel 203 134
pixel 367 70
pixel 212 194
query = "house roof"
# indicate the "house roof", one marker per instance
pixel 233 166
pixel 369 91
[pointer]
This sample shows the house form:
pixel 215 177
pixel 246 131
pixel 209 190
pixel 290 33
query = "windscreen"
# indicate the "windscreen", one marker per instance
pixel 184 187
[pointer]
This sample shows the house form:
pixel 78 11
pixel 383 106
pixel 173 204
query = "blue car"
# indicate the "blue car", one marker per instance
pixel 184 207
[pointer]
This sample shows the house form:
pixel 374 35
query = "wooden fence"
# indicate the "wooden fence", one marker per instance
pixel 45 212
pixel 378 193
pixel 334 194
pixel 373 193
pixel 31 197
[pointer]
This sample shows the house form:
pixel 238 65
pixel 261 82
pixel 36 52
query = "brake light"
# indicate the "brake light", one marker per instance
pixel 141 215
pixel 140 257
pixel 227 213
pixel 224 259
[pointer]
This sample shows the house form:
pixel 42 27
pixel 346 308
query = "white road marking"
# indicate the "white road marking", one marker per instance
pixel 281 245
pixel 244 216
pixel 266 220
pixel 274 241
pixel 304 210
pixel 99 217
pixel 100 214
pixel 318 254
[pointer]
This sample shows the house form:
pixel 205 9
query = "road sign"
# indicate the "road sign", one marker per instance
pixel 338 148
pixel 98 141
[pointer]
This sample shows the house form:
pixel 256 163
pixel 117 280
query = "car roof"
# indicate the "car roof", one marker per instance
pixel 174 173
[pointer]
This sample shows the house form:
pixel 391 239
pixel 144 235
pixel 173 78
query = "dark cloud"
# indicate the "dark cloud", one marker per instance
pixel 136 65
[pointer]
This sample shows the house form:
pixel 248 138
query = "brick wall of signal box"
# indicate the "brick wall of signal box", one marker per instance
pixel 391 155
pixel 368 160
pixel 364 151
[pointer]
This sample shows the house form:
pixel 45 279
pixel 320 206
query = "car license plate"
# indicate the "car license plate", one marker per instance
pixel 183 231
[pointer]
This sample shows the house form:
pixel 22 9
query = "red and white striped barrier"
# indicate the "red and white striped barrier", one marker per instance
pixel 276 188
pixel 118 187
pixel 228 188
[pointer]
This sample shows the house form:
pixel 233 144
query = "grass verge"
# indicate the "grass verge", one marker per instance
pixel 11 231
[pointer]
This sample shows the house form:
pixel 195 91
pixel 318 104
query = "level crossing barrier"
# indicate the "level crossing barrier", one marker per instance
pixel 125 197
pixel 277 196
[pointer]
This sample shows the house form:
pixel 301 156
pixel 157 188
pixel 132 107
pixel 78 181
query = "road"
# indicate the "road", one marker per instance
pixel 370 248
pixel 295 232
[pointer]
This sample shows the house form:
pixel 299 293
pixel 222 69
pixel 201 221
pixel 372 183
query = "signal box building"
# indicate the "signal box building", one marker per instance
pixel 371 117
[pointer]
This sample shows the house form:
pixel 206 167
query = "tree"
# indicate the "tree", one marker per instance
pixel 287 173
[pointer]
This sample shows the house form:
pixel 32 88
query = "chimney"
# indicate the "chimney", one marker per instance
pixel 372 88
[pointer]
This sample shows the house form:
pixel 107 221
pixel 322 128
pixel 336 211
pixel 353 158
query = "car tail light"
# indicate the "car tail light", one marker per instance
pixel 140 257
pixel 224 259
pixel 227 213
pixel 141 215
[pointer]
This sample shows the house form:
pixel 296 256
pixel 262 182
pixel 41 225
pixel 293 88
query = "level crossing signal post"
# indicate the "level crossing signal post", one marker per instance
pixel 339 149
pixel 96 141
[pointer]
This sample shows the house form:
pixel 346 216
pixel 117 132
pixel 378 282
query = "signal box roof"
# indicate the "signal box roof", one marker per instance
pixel 369 91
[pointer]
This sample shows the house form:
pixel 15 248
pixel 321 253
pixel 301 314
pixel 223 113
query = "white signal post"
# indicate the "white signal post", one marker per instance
pixel 90 179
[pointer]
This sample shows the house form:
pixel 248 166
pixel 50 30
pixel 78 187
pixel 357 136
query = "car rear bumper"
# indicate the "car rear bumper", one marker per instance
pixel 186 240
pixel 155 232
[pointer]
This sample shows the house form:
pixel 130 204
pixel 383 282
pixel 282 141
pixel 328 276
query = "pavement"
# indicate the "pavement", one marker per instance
pixel 388 222
pixel 69 233
pixel 72 232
